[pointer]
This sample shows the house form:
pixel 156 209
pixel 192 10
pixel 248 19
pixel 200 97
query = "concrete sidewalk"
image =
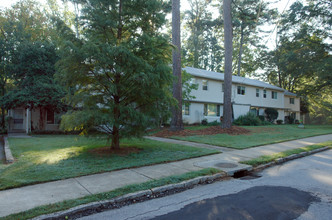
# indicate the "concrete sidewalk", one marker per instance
pixel 25 198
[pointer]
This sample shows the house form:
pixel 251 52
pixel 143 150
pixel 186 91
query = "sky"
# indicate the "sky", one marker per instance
pixel 281 5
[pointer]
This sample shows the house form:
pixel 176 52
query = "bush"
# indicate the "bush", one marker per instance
pixel 249 119
pixel 279 122
pixel 261 117
pixel 271 114
pixel 204 122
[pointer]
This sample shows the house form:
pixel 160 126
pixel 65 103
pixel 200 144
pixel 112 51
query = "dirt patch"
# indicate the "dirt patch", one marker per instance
pixel 122 151
pixel 211 130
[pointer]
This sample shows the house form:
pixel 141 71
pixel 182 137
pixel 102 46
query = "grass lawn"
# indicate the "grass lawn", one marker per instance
pixel 260 135
pixel 269 158
pixel 53 157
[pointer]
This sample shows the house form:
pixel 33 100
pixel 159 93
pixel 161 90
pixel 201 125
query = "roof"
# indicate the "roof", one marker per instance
pixel 288 93
pixel 235 79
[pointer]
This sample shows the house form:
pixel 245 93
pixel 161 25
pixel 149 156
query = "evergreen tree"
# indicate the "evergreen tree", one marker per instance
pixel 117 73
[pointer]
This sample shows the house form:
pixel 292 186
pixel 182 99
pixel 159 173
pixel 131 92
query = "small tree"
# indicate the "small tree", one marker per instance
pixel 271 114
pixel 118 71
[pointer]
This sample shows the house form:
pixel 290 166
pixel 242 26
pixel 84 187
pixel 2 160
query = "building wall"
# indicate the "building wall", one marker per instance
pixel 242 103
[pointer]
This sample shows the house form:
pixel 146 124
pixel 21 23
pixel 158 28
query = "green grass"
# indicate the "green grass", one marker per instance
pixel 269 158
pixel 41 210
pixel 260 135
pixel 49 158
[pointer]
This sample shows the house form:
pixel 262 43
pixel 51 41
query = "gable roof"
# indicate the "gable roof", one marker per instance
pixel 235 79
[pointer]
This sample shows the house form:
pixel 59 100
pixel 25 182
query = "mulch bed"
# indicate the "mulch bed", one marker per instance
pixel 108 151
pixel 210 130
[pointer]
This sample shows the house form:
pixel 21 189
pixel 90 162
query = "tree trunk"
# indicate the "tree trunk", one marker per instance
pixel 41 118
pixel 240 52
pixel 115 138
pixel 227 119
pixel 176 122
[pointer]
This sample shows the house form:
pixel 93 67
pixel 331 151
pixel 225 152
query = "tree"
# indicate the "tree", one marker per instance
pixel 301 63
pixel 248 16
pixel 227 120
pixel 117 72
pixel 176 122
pixel 33 68
pixel 201 47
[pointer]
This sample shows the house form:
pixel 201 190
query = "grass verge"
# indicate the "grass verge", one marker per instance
pixel 260 135
pixel 54 157
pixel 269 158
pixel 60 206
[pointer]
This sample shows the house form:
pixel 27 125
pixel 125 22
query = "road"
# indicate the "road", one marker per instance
pixel 300 189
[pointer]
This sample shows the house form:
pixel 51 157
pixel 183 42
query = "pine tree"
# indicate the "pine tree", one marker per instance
pixel 118 72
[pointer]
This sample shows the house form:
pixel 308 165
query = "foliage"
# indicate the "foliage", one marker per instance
pixel 279 122
pixel 301 62
pixel 117 72
pixel 204 121
pixel 248 119
pixel 202 38
pixel 271 114
pixel 33 68
pixel 248 17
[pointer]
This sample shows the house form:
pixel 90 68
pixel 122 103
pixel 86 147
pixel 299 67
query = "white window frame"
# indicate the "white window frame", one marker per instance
pixel 204 84
pixel 274 95
pixel 257 92
pixel 186 108
pixel 264 93
pixel 292 101
pixel 241 90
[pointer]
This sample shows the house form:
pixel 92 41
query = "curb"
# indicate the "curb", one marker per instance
pixel 288 158
pixel 8 154
pixel 132 197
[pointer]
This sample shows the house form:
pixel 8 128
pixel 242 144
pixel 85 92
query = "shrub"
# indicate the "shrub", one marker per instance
pixel 271 114
pixel 261 117
pixel 249 119
pixel 279 122
pixel 204 122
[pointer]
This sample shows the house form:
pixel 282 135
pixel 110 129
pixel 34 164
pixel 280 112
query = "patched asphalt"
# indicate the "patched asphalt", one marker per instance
pixel 260 202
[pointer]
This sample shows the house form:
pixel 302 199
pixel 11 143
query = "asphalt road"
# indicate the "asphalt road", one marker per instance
pixel 300 189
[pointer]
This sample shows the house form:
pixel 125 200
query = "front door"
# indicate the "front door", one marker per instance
pixel 18 119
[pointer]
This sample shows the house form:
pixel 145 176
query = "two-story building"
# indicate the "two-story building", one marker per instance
pixel 248 95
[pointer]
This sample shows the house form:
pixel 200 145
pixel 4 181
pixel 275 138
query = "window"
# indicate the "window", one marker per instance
pixel 274 95
pixel 291 100
pixel 241 90
pixel 50 117
pixel 185 109
pixel 53 117
pixel 205 84
pixel 264 93
pixel 211 110
pixel 257 92
pixel 222 87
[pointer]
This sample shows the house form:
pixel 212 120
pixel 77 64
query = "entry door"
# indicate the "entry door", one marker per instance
pixel 18 119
